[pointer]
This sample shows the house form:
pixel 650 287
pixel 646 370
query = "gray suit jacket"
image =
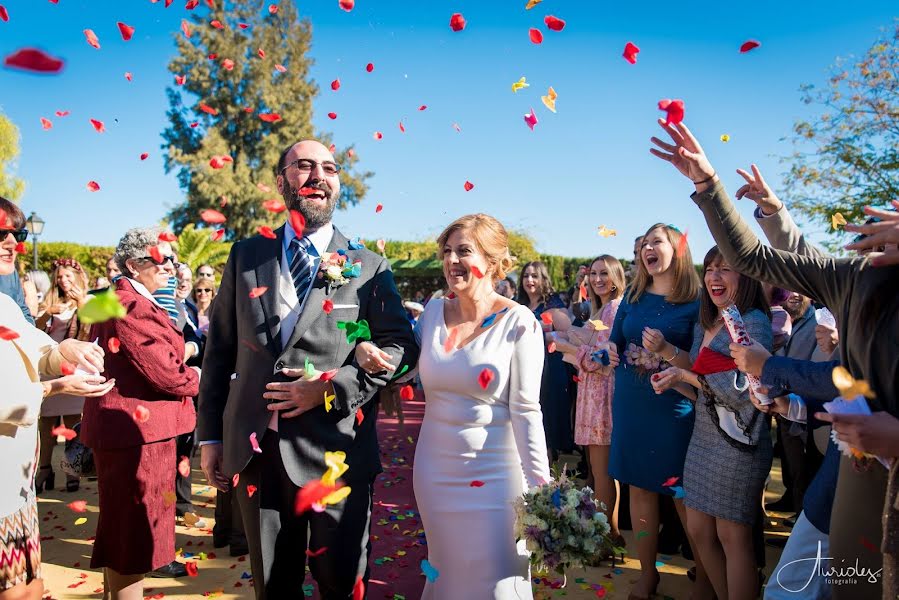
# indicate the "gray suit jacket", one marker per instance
pixel 244 353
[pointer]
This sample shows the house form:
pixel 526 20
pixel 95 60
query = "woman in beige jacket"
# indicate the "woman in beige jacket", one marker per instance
pixel 26 353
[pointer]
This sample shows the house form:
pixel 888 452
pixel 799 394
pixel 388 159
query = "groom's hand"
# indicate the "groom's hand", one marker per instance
pixel 211 463
pixel 296 397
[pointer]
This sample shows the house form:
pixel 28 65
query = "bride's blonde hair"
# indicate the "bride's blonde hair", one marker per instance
pixel 490 237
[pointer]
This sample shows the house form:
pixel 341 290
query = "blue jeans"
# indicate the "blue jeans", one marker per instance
pixel 796 575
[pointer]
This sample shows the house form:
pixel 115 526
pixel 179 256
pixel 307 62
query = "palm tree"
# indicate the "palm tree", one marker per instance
pixel 195 247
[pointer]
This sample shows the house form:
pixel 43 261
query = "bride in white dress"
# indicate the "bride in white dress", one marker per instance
pixel 482 441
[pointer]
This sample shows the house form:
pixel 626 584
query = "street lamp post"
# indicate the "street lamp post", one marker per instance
pixel 35 226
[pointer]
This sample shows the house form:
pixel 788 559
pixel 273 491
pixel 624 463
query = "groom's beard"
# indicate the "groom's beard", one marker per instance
pixel 315 216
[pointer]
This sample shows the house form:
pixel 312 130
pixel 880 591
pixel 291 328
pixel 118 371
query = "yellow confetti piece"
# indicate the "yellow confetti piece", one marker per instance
pixel 520 84
pixel 549 100
pixel 849 386
pixel 168 498
pixel 401 553
pixel 397 527
pixel 328 399
pixel 336 467
pixel 725 138
pixel 336 496
pixel 532 3
pixel 606 232
pixel 409 437
pixel 598 325
pixel 190 519
pixel 80 521
pixel 837 219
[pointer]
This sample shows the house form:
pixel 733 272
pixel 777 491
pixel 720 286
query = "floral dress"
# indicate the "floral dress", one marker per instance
pixel 593 417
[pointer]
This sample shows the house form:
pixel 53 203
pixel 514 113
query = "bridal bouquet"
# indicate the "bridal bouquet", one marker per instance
pixel 562 526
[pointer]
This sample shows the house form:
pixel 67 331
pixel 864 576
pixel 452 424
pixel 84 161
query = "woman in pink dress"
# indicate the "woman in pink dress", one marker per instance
pixel 593 416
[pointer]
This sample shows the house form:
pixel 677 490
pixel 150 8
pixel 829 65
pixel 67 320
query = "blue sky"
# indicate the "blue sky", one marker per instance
pixel 585 166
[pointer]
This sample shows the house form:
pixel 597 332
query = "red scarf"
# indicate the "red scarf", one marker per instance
pixel 709 362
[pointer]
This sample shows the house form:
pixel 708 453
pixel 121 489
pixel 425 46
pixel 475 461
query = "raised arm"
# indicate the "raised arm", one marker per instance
pixel 825 279
pixel 524 400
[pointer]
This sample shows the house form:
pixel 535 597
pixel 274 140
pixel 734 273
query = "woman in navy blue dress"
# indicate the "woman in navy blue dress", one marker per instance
pixel 650 433
pixel 557 389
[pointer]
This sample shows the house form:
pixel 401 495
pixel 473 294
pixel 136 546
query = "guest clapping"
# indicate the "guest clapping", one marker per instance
pixel 730 450
pixel 132 429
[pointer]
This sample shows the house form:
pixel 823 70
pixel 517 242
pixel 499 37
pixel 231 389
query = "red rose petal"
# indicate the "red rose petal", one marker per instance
pixel 554 23
pixel 91 38
pixel 184 466
pixel 457 22
pixel 359 416
pixel 33 60
pixel 281 68
pixel 630 53
pixel 141 414
pixel 62 113
pixel 749 45
pixel 93 186
pixel 212 216
pixel 208 109
pixel 191 567
pixel 332 115
pixel 217 24
pixel 144 155
pixel 551 347
pixel 297 222
pixel 402 127
pixel 468 186
pixel 476 483
pixel 359 589
pixel 260 53
pixel 46 123
pixel 114 345
pixel 275 206
pixel 126 30
pixel 62 430
pixel 547 318
pixel 674 110
pixel 319 552
pixel 98 125
pixel 167 236
pixel 682 243
pixel 370 67
pixel 235 479
pixel 155 254
pixel 243 25
pixel 335 85
pixel 20 248
pixel 379 208
pixel 258 291
pixel 4 15
pixel 270 117
pixel 476 272
pixel 185 28
pixel 128 76
pixel 407 392
pixel 346 5
pixel 217 235
pixel 228 64
pixel 670 481
pixel 423 107
pixel 78 506
pixel 251 489
pixel 266 231
pixel 485 377
pixel 328 375
pixel 66 368
pixel 536 36
pixel 327 306
pixel 272 8
pixel 8 334
pixel 378 135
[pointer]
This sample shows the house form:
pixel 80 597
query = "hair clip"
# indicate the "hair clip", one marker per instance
pixel 674 227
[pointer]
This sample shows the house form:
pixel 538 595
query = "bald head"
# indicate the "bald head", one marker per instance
pixel 309 166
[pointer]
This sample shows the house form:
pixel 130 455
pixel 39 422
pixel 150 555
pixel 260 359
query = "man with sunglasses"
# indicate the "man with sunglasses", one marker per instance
pixel 261 420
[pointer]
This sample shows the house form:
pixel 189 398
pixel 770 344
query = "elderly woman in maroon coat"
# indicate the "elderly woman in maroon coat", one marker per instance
pixel 132 429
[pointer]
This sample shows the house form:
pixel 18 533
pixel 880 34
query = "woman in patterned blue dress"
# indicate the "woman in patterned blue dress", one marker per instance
pixel 650 433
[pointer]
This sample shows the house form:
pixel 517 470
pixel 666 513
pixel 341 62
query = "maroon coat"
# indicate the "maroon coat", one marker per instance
pixel 149 370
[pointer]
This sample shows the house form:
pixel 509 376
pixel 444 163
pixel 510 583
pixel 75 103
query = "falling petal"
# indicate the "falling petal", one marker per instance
pixel 837 219
pixel 91 38
pixel 46 123
pixel 212 216
pixel 126 30
pixel 98 125
pixel 554 23
pixel 549 100
pixel 630 53
pixel 93 186
pixel 749 45
pixel 468 186
pixel 531 119
pixel 536 36
pixel 33 60
pixel 674 110
pixel 457 22
pixel 258 291
pixel 520 84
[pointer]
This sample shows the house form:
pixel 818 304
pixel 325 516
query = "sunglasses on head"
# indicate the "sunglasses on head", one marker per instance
pixel 20 235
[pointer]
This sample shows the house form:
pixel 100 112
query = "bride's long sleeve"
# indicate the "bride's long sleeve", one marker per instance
pixel 524 400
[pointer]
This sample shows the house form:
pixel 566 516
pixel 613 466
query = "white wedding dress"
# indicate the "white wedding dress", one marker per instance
pixel 469 434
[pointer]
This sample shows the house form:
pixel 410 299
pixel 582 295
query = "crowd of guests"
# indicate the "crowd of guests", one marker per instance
pixel 677 424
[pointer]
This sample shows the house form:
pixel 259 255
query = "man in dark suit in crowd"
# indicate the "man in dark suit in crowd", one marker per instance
pixel 262 420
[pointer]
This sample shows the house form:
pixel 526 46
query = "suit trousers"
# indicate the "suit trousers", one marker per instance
pixel 183 493
pixel 278 538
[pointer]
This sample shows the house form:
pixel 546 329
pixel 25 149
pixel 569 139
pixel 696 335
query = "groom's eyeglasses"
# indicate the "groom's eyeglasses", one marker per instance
pixel 20 235
pixel 305 165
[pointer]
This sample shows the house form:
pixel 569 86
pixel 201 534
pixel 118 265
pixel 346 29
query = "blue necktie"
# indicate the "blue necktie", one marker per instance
pixel 302 266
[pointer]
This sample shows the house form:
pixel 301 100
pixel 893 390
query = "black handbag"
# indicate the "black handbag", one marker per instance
pixel 78 460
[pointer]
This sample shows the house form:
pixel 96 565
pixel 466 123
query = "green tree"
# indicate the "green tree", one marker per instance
pixel 244 63
pixel 11 187
pixel 847 156
pixel 195 247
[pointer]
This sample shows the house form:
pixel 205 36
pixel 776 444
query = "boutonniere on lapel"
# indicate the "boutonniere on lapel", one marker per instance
pixel 336 270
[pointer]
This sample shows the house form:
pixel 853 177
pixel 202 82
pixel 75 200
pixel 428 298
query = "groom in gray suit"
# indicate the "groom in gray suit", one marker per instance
pixel 277 311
